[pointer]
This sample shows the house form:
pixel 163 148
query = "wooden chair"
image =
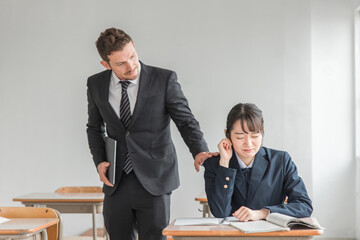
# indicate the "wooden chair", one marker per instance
pixel 53 232
pixel 82 189
pixel 79 190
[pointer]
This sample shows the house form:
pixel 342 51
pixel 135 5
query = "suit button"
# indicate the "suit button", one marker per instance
pixel 225 186
pixel 227 178
pixel 127 134
pixel 122 154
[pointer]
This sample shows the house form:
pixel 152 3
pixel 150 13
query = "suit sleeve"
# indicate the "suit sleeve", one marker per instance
pixel 95 130
pixel 180 113
pixel 219 187
pixel 298 204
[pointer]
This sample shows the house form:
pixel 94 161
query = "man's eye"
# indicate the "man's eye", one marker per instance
pixel 240 138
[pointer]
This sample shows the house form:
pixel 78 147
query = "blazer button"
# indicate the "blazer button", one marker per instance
pixel 227 178
pixel 225 186
pixel 127 134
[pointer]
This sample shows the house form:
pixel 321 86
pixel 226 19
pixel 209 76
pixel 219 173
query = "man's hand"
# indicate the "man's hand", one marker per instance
pixel 201 157
pixel 102 168
pixel 245 214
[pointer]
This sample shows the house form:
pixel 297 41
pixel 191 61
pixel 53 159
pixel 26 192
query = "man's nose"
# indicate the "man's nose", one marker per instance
pixel 129 66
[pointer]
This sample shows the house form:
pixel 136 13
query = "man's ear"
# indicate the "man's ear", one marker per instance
pixel 106 65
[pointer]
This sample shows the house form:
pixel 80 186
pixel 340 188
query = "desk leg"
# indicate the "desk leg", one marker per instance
pixel 106 235
pixel 94 222
pixel 206 209
pixel 44 235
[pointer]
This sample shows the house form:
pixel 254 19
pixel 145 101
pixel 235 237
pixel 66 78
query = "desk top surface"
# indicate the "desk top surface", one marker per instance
pixel 225 230
pixel 22 226
pixel 61 197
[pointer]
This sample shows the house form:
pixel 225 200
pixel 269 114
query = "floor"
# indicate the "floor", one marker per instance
pixel 88 235
pixel 80 238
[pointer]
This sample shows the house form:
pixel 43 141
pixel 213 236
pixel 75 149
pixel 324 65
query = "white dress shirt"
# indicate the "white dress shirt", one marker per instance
pixel 115 91
pixel 242 164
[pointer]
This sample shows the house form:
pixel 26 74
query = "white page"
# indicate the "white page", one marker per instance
pixel 2 220
pixel 197 221
pixel 204 221
pixel 257 226
pixel 279 219
pixel 231 219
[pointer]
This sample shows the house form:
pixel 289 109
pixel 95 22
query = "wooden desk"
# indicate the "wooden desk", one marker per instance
pixel 67 203
pixel 223 232
pixel 203 200
pixel 26 228
pixel 226 232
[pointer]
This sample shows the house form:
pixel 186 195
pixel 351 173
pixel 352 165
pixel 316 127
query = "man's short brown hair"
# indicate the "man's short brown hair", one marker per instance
pixel 111 40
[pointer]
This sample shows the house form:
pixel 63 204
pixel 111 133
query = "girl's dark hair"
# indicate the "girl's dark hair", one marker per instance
pixel 245 112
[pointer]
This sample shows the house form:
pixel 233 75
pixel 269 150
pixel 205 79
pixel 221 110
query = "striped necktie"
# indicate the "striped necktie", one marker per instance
pixel 125 115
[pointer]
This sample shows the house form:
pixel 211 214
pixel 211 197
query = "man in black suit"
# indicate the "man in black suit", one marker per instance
pixel 133 103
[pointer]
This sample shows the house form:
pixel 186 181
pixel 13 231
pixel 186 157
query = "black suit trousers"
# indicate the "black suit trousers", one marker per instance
pixel 132 210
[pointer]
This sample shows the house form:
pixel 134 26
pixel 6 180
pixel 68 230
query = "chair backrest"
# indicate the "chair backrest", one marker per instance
pixel 34 212
pixel 79 190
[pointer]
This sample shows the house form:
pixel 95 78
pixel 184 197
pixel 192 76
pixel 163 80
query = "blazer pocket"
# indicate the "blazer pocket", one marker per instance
pixel 161 152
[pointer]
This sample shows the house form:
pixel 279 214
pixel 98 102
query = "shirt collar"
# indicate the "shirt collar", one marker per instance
pixel 114 80
pixel 242 164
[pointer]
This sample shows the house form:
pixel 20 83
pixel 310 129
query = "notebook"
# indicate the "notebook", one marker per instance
pixel 110 149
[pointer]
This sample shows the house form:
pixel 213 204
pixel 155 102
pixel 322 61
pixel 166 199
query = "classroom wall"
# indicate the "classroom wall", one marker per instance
pixel 333 116
pixel 224 52
pixel 357 109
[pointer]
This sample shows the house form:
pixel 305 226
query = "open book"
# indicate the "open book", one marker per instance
pixel 276 222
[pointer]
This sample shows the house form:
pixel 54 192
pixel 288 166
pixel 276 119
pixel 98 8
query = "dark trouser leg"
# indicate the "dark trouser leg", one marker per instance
pixel 118 213
pixel 152 214
pixel 132 205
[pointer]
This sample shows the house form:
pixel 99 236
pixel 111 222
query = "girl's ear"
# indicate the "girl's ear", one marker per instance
pixel 226 133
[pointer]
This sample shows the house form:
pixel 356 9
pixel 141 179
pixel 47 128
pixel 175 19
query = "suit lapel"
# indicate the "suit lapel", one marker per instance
pixel 239 179
pixel 145 83
pixel 257 172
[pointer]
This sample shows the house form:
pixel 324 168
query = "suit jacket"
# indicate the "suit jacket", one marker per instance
pixel 147 138
pixel 273 177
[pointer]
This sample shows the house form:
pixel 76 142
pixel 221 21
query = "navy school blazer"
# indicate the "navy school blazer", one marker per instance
pixel 273 177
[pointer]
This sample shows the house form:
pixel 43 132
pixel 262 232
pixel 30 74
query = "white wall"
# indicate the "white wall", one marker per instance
pixel 333 116
pixel 224 52
pixel 357 109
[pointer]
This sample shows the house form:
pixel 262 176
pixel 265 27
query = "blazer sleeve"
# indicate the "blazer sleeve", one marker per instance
pixel 219 187
pixel 298 204
pixel 178 108
pixel 95 129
